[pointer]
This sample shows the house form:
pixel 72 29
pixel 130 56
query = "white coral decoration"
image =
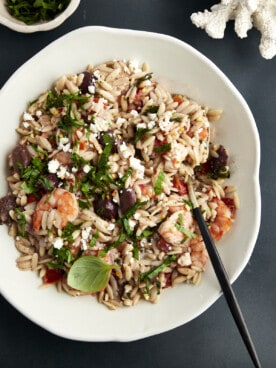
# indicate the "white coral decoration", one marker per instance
pixel 246 13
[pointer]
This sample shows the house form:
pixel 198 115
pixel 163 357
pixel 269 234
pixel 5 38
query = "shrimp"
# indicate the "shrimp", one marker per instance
pixel 199 254
pixel 170 232
pixel 222 222
pixel 60 206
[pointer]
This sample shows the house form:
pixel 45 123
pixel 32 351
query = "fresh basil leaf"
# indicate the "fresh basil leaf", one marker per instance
pixel 89 274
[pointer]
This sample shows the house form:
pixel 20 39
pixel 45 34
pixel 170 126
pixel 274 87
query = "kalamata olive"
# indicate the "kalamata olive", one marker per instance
pixel 52 181
pixel 162 245
pixel 116 141
pixel 88 80
pixel 106 208
pixel 21 157
pixel 7 203
pixel 127 199
pixel 220 161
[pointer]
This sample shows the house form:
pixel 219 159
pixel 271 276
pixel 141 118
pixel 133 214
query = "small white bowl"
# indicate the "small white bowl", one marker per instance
pixel 9 21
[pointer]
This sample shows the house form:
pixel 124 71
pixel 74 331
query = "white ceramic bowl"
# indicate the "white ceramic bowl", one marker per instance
pixel 182 69
pixel 9 21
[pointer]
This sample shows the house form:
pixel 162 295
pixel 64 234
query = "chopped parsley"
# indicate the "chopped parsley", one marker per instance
pixel 21 220
pixel 68 230
pixel 34 175
pixel 34 11
pixel 162 149
pixel 61 256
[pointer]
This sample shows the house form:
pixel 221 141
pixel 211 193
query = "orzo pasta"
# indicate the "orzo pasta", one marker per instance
pixel 98 201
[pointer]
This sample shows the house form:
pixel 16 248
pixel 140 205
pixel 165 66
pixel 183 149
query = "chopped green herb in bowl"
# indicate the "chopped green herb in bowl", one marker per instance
pixel 34 11
pixel 35 15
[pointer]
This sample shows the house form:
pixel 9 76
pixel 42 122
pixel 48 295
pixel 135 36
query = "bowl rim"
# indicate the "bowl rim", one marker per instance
pixel 16 25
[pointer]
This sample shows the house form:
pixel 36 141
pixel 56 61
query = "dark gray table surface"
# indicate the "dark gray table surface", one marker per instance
pixel 212 339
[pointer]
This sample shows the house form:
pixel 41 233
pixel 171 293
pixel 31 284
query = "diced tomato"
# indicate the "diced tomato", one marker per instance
pixel 178 98
pixel 138 94
pixel 180 185
pixel 31 198
pixel 158 143
pixel 168 278
pixel 52 275
pixel 230 204
pixel 82 145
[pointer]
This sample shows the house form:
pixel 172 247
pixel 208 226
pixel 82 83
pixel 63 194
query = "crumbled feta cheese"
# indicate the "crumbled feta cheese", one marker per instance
pixel 27 116
pixel 134 112
pixel 185 259
pixel 25 124
pixel 85 233
pixel 91 89
pixel 135 164
pixel 99 125
pixel 165 123
pixel 58 243
pixel 61 172
pixel 136 216
pixel 84 245
pixel 97 74
pixel 53 165
pixel 86 168
pixel 132 224
pixel 64 144
pixel 38 113
pixel 124 150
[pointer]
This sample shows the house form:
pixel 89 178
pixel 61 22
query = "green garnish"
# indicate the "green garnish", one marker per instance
pixel 68 230
pixel 162 149
pixel 34 11
pixel 118 242
pixel 94 239
pixel 147 76
pixel 151 110
pixel 78 161
pixel 21 220
pixel 69 120
pixel 156 270
pixel 62 256
pixel 33 175
pixel 139 134
pixel 130 212
pixel 158 183
pixel 102 164
pixel 121 182
pixel 183 230
pixel 89 274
